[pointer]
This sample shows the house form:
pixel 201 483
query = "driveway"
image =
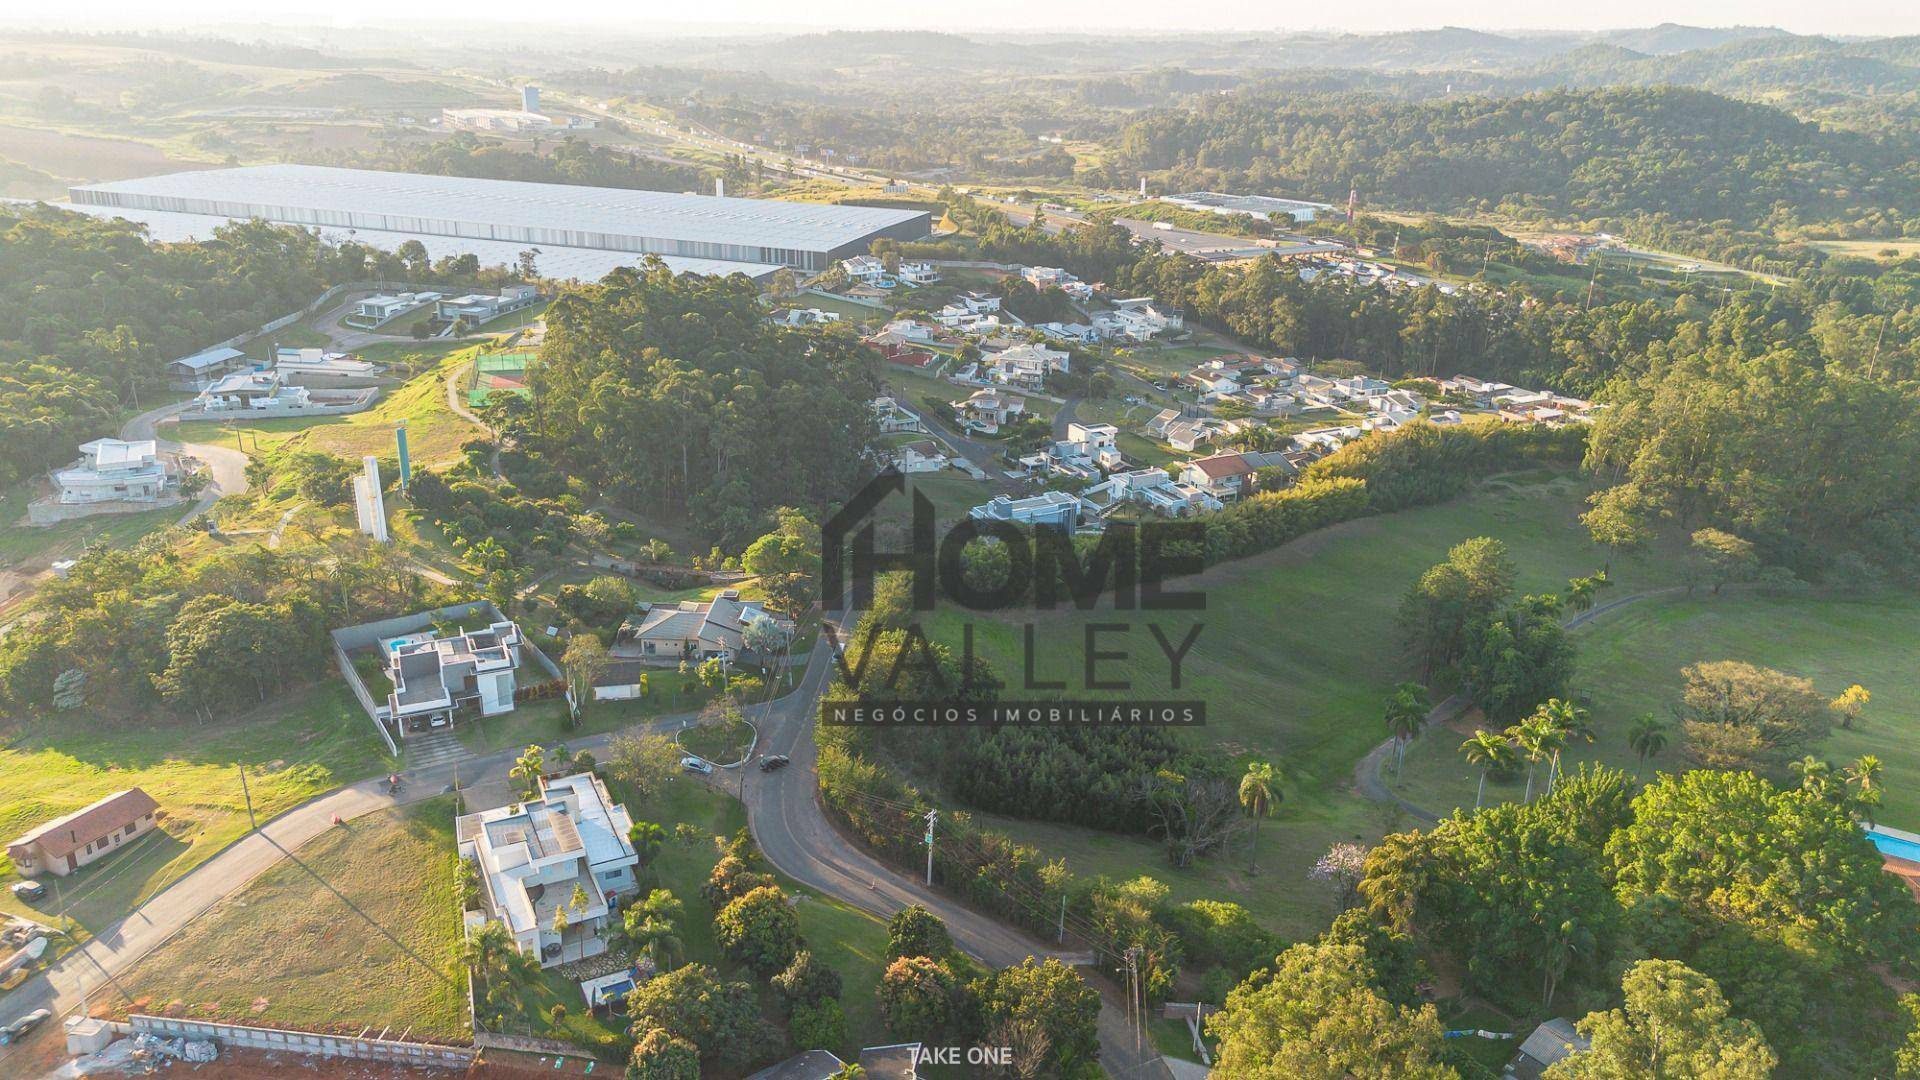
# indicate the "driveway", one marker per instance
pixel 227 465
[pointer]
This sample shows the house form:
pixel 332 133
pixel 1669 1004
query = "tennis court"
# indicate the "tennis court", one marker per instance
pixel 503 372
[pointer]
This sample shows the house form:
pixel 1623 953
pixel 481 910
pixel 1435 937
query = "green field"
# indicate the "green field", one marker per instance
pixel 293 750
pixel 1297 653
pixel 1630 662
pixel 378 891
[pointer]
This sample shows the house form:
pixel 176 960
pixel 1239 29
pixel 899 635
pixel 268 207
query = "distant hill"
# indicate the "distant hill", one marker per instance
pixel 1669 38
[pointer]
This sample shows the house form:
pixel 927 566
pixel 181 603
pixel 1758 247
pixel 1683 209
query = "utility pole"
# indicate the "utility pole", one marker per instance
pixel 248 795
pixel 933 818
pixel 1135 1007
pixel 1061 938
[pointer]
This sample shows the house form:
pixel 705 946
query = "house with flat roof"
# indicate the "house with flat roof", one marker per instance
pixel 92 832
pixel 913 272
pixel 1049 509
pixel 478 308
pixel 247 391
pixel 111 470
pixel 384 306
pixel 199 371
pixel 694 629
pixel 552 868
pixel 434 677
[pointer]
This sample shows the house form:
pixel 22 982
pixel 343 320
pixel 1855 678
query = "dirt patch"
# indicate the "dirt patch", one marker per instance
pixel 87 157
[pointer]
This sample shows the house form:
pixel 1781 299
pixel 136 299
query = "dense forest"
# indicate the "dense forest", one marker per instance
pixel 674 394
pixel 571 161
pixel 1645 162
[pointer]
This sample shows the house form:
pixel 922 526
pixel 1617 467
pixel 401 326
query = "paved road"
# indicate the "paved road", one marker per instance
pixel 1367 775
pixel 227 464
pixel 797 837
pixel 1064 417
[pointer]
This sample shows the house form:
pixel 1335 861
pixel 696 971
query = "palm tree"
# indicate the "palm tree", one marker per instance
pixel 1406 710
pixel 528 768
pixel 1648 737
pixel 1258 796
pixel 1568 722
pixel 507 973
pixel 1531 736
pixel 1489 750
pixel 1865 771
pixel 650 929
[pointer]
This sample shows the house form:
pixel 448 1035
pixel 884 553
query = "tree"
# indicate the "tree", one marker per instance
pixel 915 931
pixel 1738 716
pixel 1055 1003
pixel 1517 660
pixel 1674 1023
pixel 1534 739
pixel 720 1018
pixel 1406 711
pixel 1343 866
pixel 917 998
pixel 786 560
pixel 647 838
pixel 650 929
pixel 1621 520
pixel 662 1056
pixel 1728 557
pixel 583 661
pixel 1476 578
pixel 759 929
pixel 1647 738
pixel 818 1025
pixel 1734 845
pixel 1566 721
pixel 1258 797
pixel 528 768
pixel 1318 1015
pixel 506 976
pixel 1492 752
pixel 1850 704
pixel 1581 590
pixel 807 980
pixel 646 763
pixel 732 877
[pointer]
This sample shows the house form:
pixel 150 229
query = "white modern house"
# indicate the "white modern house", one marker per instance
pixel 252 391
pixel 918 273
pixel 552 868
pixel 433 677
pixel 113 470
pixel 478 308
pixel 386 306
pixel 1049 509
pixel 919 456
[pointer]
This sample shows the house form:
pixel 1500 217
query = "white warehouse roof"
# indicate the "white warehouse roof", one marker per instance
pixel 808 235
pixel 558 263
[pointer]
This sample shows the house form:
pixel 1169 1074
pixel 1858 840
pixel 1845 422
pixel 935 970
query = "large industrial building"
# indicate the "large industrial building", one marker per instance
pixel 704 233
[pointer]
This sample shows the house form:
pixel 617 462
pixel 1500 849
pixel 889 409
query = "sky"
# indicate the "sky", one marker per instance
pixel 1836 17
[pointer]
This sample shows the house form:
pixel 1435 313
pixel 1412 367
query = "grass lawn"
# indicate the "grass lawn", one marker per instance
pixel 434 432
pixel 359 929
pixel 1297 653
pixel 1630 662
pixel 293 750
pixel 722 744
pixel 545 721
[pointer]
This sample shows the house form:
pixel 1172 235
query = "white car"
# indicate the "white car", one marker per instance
pixel 696 765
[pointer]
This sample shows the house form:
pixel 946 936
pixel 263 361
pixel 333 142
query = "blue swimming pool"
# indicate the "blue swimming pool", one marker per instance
pixel 1894 846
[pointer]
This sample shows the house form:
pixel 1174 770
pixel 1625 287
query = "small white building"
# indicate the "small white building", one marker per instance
pixel 920 456
pixel 552 868
pixel 918 273
pixel 111 470
pixel 1049 509
pixel 200 370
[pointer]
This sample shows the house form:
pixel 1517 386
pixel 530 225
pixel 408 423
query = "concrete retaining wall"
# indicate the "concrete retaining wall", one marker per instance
pixel 389 1051
pixel 356 401
pixel 51 511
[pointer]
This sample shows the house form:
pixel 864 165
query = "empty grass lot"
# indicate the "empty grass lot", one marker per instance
pixel 359 928
pixel 1630 663
pixel 1298 649
pixel 293 750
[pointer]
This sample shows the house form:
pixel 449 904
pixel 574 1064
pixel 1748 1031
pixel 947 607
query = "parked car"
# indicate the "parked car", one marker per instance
pixel 696 765
pixel 28 890
pixel 14 978
pixel 777 761
pixel 12 1032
